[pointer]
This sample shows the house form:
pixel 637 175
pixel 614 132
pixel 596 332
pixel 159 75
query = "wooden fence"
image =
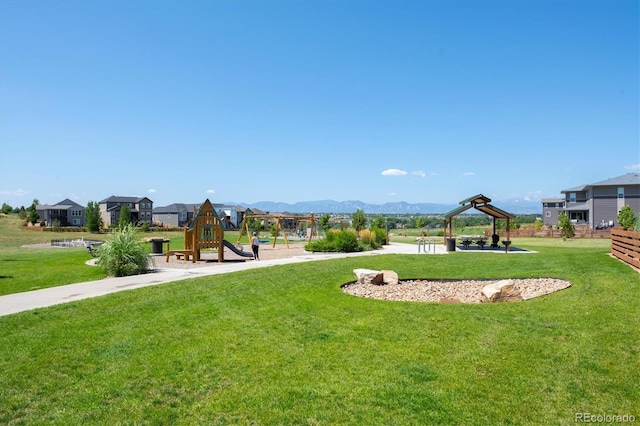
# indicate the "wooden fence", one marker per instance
pixel 625 245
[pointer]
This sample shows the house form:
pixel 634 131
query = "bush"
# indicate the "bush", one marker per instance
pixel 381 235
pixel 627 218
pixel 336 241
pixel 124 254
pixel 368 240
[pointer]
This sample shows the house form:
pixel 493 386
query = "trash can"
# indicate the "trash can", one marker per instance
pixel 451 244
pixel 156 245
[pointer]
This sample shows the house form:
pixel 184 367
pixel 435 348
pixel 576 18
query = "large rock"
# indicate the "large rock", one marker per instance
pixel 389 277
pixel 369 276
pixel 501 291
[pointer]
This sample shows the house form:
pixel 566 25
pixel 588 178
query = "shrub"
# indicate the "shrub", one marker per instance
pixel 381 235
pixel 124 254
pixel 336 241
pixel 627 218
pixel 368 239
pixel 566 227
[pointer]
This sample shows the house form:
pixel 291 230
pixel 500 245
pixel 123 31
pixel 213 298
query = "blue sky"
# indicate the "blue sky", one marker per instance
pixel 246 101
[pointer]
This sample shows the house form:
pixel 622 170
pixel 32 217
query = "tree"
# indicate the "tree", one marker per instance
pixel 359 220
pixel 6 208
pixel 379 222
pixel 566 227
pixel 125 216
pixel 627 218
pixel 93 220
pixel 32 212
pixel 324 223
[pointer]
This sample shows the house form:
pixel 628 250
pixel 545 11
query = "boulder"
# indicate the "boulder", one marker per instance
pixel 501 291
pixel 389 277
pixel 369 276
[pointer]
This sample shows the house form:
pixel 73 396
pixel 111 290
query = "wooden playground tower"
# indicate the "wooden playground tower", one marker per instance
pixel 309 220
pixel 203 231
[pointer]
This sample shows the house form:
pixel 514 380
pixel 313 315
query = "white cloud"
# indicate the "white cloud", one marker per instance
pixel 211 191
pixel 16 193
pixel 633 167
pixel 151 191
pixel 392 194
pixel 419 173
pixel 393 172
pixel 469 173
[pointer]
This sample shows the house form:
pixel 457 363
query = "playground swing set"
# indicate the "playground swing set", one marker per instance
pixel 204 231
pixel 308 223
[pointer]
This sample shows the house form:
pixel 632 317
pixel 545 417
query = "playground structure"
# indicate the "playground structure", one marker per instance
pixel 204 231
pixel 309 223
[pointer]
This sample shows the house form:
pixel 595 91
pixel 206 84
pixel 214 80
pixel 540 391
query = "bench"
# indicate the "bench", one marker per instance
pixel 181 254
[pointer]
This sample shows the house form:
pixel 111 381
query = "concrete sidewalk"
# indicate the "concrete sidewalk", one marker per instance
pixel 19 302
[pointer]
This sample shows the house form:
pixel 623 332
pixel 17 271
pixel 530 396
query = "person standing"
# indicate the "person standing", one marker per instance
pixel 255 245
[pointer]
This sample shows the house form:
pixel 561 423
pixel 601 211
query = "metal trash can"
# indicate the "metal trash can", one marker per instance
pixel 156 245
pixel 451 244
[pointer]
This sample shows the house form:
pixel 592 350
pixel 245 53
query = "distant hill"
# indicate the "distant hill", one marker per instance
pixel 401 207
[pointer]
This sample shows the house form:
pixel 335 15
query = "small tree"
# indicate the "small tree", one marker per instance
pixel 93 220
pixel 6 208
pixel 32 212
pixel 324 223
pixel 627 218
pixel 379 222
pixel 359 220
pixel 566 227
pixel 125 216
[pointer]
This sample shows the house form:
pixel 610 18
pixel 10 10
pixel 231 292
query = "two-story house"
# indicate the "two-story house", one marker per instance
pixel 174 215
pixel 597 204
pixel 180 214
pixel 141 209
pixel 64 213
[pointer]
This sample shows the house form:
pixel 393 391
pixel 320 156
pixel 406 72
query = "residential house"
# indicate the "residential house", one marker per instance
pixel 551 209
pixel 597 205
pixel 141 209
pixel 174 215
pixel 64 213
pixel 180 214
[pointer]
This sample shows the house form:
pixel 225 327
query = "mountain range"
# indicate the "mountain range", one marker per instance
pixel 401 207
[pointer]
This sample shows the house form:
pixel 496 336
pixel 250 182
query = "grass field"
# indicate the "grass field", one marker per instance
pixel 283 345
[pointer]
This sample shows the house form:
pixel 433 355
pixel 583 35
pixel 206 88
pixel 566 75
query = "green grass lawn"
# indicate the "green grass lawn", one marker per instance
pixel 284 345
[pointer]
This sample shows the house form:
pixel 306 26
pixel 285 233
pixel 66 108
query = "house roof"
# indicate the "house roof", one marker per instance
pixel 552 200
pixel 628 179
pixel 177 207
pixel 577 207
pixel 624 180
pixel 121 199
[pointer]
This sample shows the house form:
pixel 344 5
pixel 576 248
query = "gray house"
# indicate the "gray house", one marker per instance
pixel 64 213
pixel 179 215
pixel 551 209
pixel 597 205
pixel 174 215
pixel 141 209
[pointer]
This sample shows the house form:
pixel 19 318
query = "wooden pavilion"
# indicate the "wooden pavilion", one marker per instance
pixel 481 203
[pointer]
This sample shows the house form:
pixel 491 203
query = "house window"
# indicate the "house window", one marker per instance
pixel 621 192
pixel 572 197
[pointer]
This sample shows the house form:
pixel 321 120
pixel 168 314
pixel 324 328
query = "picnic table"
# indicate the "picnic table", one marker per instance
pixel 467 240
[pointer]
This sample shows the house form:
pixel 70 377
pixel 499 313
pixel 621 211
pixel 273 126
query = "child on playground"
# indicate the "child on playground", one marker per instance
pixel 255 244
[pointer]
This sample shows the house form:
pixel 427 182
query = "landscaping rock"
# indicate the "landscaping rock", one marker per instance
pixel 390 277
pixel 369 276
pixel 501 291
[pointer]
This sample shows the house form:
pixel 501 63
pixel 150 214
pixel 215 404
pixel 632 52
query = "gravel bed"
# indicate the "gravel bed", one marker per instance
pixel 465 291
